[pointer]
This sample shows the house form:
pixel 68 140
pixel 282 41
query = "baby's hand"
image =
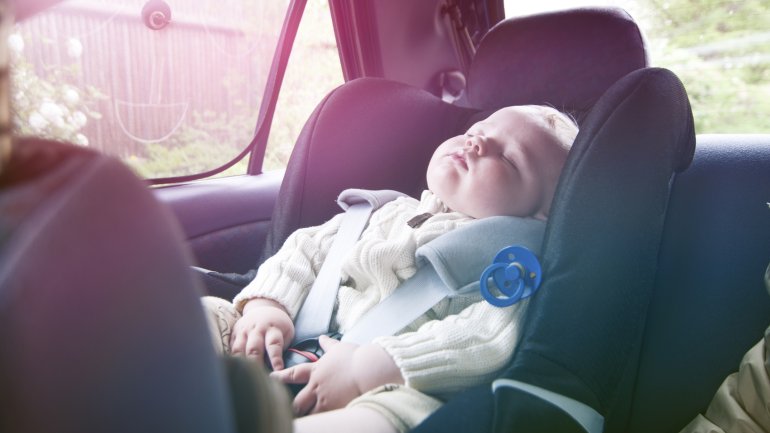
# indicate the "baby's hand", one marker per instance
pixel 330 384
pixel 265 328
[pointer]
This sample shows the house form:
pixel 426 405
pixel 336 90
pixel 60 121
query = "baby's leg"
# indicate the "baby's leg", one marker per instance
pixel 221 316
pixel 352 419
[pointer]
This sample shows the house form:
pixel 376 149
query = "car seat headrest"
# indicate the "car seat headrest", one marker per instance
pixel 566 59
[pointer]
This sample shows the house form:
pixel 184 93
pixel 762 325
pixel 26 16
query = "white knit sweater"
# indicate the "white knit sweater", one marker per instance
pixel 459 343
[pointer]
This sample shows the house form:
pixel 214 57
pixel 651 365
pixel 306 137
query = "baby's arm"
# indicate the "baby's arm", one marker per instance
pixel 462 350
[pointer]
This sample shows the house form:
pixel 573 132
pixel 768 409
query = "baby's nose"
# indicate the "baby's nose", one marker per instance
pixel 475 144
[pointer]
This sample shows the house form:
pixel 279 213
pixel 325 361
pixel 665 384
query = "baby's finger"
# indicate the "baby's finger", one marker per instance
pixel 298 374
pixel 255 346
pixel 274 347
pixel 327 342
pixel 305 401
pixel 237 342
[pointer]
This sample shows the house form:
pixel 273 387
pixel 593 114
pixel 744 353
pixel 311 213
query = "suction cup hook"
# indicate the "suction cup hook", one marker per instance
pixel 156 14
pixel 516 273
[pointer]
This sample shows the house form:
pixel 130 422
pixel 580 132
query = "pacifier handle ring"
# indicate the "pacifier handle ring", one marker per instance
pixel 520 280
pixel 504 301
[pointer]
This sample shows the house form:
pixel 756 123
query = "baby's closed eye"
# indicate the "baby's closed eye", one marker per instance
pixel 510 160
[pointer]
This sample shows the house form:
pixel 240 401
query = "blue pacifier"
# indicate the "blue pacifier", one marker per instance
pixel 516 273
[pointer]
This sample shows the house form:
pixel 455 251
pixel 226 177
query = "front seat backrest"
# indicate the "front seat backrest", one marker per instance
pixel 101 327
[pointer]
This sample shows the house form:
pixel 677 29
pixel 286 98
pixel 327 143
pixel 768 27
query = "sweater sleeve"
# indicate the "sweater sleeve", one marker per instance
pixel 287 276
pixel 459 351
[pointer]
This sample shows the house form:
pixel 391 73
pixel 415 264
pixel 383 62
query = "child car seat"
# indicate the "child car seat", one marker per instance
pixel 584 330
pixel 566 59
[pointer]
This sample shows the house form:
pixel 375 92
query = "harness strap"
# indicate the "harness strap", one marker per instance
pixel 315 315
pixel 413 298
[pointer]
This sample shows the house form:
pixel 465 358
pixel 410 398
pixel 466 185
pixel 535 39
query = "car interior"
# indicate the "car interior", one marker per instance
pixel 653 258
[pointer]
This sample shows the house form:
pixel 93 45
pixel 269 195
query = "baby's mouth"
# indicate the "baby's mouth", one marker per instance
pixel 459 157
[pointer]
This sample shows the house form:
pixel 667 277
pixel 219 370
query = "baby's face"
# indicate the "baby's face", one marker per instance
pixel 507 164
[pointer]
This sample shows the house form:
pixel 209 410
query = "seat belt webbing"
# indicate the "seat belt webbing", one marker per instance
pixel 313 319
pixel 411 300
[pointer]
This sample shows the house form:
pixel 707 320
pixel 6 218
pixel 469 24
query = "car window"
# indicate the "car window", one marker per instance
pixel 719 49
pixel 169 97
pixel 314 69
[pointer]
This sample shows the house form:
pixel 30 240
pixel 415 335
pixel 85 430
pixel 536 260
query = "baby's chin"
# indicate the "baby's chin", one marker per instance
pixel 450 204
pixel 459 208
pixel 478 213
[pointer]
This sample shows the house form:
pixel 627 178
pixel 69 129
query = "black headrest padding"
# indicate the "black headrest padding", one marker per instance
pixel 566 59
pixel 368 133
pixel 601 247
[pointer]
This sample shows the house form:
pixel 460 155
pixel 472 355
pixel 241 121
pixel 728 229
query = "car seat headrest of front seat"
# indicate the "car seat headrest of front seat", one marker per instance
pixel 567 59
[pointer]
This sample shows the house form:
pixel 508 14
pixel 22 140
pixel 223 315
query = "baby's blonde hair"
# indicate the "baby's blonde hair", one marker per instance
pixel 563 126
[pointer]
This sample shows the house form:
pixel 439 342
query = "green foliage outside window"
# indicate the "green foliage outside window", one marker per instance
pixel 50 105
pixel 190 149
pixel 721 51
pixel 208 139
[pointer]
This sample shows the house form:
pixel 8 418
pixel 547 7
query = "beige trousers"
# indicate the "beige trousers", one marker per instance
pixel 221 316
